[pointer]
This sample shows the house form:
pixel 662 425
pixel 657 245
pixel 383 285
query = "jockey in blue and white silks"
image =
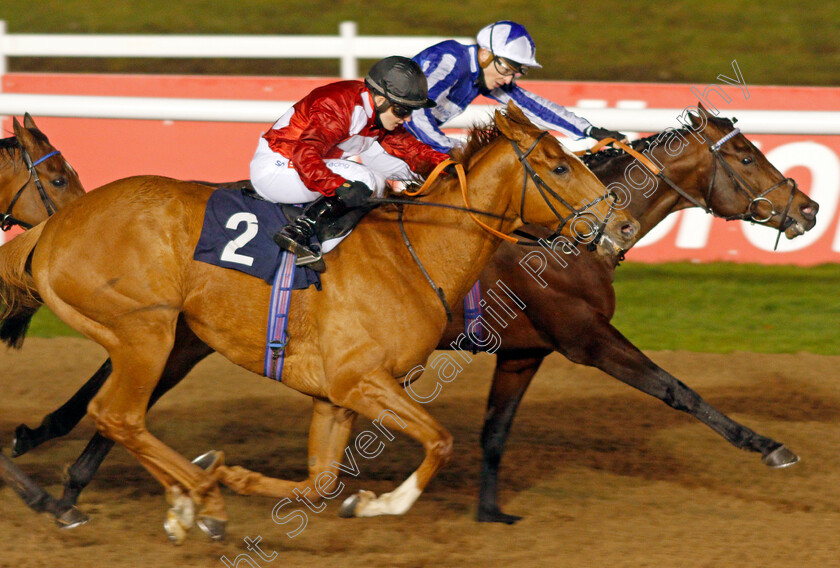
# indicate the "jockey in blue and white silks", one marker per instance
pixel 457 74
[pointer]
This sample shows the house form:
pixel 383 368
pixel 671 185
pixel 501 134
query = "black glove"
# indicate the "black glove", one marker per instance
pixel 450 170
pixel 600 133
pixel 353 193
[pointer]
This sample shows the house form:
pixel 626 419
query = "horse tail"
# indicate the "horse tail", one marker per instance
pixel 19 299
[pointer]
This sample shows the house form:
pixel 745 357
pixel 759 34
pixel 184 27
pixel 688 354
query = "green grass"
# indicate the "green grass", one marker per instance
pixel 715 308
pixel 46 324
pixel 774 42
pixel 730 307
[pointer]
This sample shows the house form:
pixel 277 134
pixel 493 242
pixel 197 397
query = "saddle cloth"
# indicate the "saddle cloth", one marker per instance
pixel 238 233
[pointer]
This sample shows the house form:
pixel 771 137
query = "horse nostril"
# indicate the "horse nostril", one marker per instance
pixel 809 211
pixel 628 230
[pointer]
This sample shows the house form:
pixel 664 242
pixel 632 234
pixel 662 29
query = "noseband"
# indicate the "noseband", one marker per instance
pixel 6 219
pixel 545 191
pixel 755 196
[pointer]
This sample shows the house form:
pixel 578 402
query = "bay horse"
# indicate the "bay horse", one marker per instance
pixel 571 315
pixel 35 178
pixel 350 349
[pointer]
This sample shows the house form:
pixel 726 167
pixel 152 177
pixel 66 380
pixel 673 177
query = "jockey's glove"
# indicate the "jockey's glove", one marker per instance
pixel 600 133
pixel 353 193
pixel 450 169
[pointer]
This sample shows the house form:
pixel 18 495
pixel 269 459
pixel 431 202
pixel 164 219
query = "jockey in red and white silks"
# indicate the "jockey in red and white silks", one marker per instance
pixel 305 153
pixel 305 156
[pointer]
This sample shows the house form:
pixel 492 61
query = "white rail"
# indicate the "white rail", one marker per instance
pixel 347 46
pixel 226 110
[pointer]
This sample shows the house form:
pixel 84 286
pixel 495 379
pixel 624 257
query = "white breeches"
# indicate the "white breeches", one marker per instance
pixel 275 181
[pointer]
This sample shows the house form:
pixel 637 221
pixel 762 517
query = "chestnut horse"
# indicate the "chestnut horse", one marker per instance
pixel 350 348
pixel 571 315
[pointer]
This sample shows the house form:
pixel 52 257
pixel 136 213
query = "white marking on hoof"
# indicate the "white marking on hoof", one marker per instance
pixel 180 517
pixel 396 502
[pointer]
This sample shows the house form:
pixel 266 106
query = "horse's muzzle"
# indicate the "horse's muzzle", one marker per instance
pixel 618 237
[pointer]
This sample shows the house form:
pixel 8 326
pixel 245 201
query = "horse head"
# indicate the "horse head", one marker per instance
pixel 558 189
pixel 743 184
pixel 35 181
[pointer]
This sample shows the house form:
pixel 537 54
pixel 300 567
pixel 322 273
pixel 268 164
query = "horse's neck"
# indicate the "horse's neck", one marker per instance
pixel 686 170
pixel 452 247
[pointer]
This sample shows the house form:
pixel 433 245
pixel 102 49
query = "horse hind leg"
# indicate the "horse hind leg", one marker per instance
pixel 119 409
pixel 62 420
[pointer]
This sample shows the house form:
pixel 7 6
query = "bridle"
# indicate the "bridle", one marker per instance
pixel 545 191
pixel 7 221
pixel 739 183
pixel 542 187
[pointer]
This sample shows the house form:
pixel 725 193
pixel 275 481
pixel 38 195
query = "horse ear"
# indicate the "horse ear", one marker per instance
pixel 28 122
pixel 23 135
pixel 512 115
pixel 504 125
pixel 699 120
pixel 515 113
pixel 16 126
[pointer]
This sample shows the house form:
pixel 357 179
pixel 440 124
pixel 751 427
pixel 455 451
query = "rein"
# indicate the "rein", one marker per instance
pixel 738 183
pixel 542 187
pixel 7 221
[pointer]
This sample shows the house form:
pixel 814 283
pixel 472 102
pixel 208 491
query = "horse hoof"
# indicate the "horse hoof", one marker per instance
pixel 180 517
pixel 214 528
pixel 175 531
pixel 780 457
pixel 348 508
pixel 209 460
pixel 495 515
pixel 71 518
pixel 22 442
pixel 353 506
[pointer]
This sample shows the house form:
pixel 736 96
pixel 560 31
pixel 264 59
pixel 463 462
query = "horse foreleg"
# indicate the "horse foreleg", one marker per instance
pixel 513 374
pixel 607 349
pixel 379 397
pixel 328 434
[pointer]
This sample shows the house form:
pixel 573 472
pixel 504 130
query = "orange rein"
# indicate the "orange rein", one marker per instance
pixel 643 159
pixel 462 178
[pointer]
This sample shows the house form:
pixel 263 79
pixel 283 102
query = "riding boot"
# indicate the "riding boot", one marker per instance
pixel 295 236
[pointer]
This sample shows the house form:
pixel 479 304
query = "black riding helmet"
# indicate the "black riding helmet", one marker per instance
pixel 401 81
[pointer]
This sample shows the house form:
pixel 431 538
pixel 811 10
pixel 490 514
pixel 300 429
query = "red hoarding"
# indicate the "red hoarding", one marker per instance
pixel 102 150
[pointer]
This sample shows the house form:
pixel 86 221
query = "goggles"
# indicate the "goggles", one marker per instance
pixel 401 111
pixel 508 68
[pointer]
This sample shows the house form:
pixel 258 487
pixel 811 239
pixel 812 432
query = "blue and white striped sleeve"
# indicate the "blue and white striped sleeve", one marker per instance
pixel 542 112
pixel 441 72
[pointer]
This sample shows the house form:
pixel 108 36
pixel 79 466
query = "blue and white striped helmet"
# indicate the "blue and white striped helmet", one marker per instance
pixel 509 40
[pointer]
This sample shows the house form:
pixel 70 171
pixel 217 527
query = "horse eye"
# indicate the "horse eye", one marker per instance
pixel 561 169
pixel 747 161
pixel 59 182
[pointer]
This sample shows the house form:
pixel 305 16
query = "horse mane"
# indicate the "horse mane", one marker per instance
pixel 479 137
pixel 642 144
pixel 9 144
